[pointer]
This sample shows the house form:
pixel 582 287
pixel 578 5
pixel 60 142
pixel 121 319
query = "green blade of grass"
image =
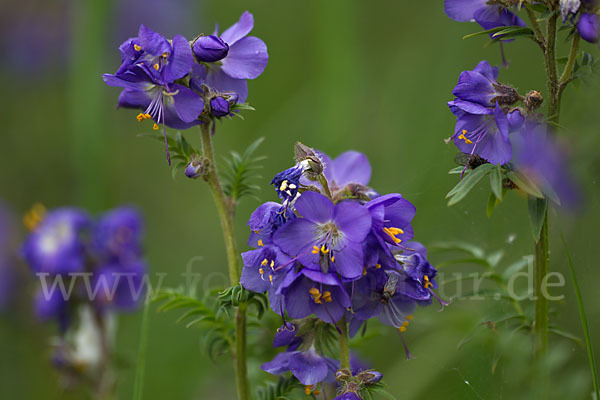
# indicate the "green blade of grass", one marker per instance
pixel 138 386
pixel 584 323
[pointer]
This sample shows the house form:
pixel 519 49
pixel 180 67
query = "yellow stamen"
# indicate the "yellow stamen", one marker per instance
pixel 317 392
pixel 392 232
pixel 271 279
pixel 155 127
pixel 378 266
pixel 165 55
pixel 324 250
pixel 283 186
pixel 308 389
pixel 261 271
pixel 260 243
pixel 332 258
pixel 140 117
pixel 409 317
pixel 364 270
pixel 264 262
pixel 402 329
pixel 405 323
pixel 272 264
pixel 315 250
pixel 137 47
pixel 156 66
pixel 34 216
pixel 427 283
pixel 316 295
pixel 327 296
pixel 463 137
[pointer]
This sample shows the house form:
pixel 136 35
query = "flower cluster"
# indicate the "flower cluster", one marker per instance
pixel 490 127
pixel 334 248
pixel 181 83
pixel 84 262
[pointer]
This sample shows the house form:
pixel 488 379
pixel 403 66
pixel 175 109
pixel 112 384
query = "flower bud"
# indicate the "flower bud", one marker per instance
pixel 568 9
pixel 197 168
pixel 219 107
pixel 369 377
pixel 533 100
pixel 507 95
pixel 210 48
pixel 312 164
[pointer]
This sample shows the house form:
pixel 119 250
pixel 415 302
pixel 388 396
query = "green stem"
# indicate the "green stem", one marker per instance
pixel 344 347
pixel 226 210
pixel 551 72
pixel 565 78
pixel 540 328
pixel 539 36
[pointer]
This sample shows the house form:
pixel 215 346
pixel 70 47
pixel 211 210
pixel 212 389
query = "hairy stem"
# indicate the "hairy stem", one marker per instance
pixel 539 36
pixel 565 78
pixel 226 210
pixel 551 72
pixel 344 347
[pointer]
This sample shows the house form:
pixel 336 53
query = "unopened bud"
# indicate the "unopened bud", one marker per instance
pixel 308 158
pixel 533 100
pixel 197 168
pixel 507 95
pixel 219 107
pixel 210 48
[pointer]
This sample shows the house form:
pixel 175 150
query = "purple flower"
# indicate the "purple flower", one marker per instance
pixel 220 107
pixel 485 13
pixel 287 183
pixel 308 366
pixel 312 292
pixel 150 67
pixel 52 305
pixel 588 27
pixel 265 220
pixel 481 130
pixel 327 236
pixel 480 86
pixel 246 58
pixel 350 167
pixel 56 245
pixel 348 396
pixel 391 215
pixel 117 236
pixel 379 294
pixel 263 268
pixel 119 286
pixel 543 160
pixel 286 336
pixel 210 48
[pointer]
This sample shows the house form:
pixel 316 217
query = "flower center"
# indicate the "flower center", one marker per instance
pixel 392 232
pixel 319 297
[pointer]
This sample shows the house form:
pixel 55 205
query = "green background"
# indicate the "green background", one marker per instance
pixel 370 76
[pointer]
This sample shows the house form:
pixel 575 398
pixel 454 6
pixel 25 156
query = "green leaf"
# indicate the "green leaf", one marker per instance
pixel 457 170
pixel 470 248
pixel 525 184
pixel 514 268
pixel 512 32
pixel 467 183
pixel 566 335
pixel 537 215
pixel 486 32
pixel 537 7
pixel 496 181
pixel 584 322
pixel 491 204
pixel 240 170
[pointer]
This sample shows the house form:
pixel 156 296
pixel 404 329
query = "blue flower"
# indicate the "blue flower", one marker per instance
pixel 485 13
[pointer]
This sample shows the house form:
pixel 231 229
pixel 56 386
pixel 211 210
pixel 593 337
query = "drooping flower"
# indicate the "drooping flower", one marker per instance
pixel 309 367
pixel 543 160
pixel 327 236
pixel 264 268
pixel 265 220
pixel 480 86
pixel 588 27
pixel 481 130
pixel 56 246
pixel 119 286
pixel 308 292
pixel 236 56
pixel 487 14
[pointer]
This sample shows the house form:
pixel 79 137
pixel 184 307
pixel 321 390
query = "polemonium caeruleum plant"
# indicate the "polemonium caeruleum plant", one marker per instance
pixel 503 134
pixel 180 83
pixel 89 269
pixel 332 254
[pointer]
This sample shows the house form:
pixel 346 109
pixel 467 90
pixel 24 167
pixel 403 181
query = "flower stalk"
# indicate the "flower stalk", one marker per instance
pixel 226 210
pixel 344 346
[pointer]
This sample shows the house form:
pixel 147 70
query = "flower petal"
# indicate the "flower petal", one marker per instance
pixel 351 167
pixel 238 30
pixel 309 367
pixel 353 219
pixel 462 10
pixel 188 104
pixel 180 61
pixel 295 236
pixel 247 59
pixel 152 42
pixel 315 207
